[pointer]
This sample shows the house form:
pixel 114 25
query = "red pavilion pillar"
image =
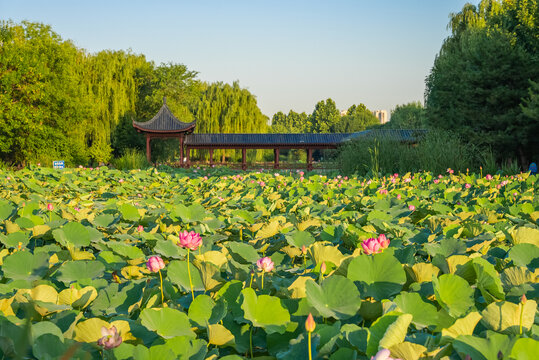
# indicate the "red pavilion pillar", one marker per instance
pixel 181 150
pixel 276 154
pixel 148 148
pixel 309 159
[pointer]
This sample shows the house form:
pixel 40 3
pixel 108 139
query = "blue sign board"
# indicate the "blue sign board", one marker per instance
pixel 58 164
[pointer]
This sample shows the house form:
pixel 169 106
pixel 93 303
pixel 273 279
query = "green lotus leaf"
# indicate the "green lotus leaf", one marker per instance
pixel 424 314
pixel 49 346
pixel 504 316
pixel 245 215
pixel 382 274
pixel 407 350
pixel 12 240
pixel 126 250
pixel 526 255
pixel 357 336
pixel 104 220
pixel 387 331
pixel 25 265
pixel 24 223
pixel 243 253
pixel 167 322
pixel 320 253
pixel 178 274
pixel 220 336
pixel 168 249
pixel 300 238
pixel 446 247
pixel 265 311
pixel 46 327
pixel 129 212
pixel 462 326
pixel 484 349
pixel 72 234
pixel 204 310
pixel 191 214
pixel 117 299
pixel 488 280
pixel 454 294
pixel 336 297
pixel 525 349
pixel 76 270
pixel 6 210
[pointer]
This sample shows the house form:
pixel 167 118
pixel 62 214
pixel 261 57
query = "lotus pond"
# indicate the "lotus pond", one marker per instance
pixel 458 279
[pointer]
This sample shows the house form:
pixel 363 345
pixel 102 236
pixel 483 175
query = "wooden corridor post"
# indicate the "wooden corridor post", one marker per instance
pixel 243 159
pixel 276 155
pixel 148 149
pixel 187 157
pixel 181 150
pixel 211 157
pixel 309 159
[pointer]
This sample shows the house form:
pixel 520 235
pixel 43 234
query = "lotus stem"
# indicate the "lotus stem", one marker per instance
pixel 189 273
pixel 310 350
pixel 251 341
pixel 252 277
pixel 521 317
pixel 161 278
pixel 241 234
pixel 262 281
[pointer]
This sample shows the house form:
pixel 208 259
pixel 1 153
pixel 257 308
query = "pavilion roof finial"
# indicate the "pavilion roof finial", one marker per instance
pixel 164 100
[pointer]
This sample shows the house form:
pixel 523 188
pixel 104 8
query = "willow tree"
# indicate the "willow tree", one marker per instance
pixel 225 108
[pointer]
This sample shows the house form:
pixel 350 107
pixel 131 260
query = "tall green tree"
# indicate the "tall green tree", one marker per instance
pixel 291 123
pixel 357 118
pixel 408 116
pixel 324 116
pixel 482 75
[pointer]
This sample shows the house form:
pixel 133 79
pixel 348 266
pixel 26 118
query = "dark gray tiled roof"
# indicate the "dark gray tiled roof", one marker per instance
pixel 264 139
pixel 411 135
pixel 164 121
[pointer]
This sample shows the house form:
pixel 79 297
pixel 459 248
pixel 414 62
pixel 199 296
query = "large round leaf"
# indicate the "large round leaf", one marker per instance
pixel 387 331
pixel 25 265
pixel 488 280
pixel 167 322
pixel 336 297
pixel 484 349
pixel 300 238
pixel 504 316
pixel 265 311
pixel 78 270
pixel 424 314
pixel 454 294
pixel 204 310
pixel 381 275
pixel 178 274
pixel 72 234
pixel 525 255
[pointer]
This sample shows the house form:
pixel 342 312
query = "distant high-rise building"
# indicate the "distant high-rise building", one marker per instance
pixel 381 115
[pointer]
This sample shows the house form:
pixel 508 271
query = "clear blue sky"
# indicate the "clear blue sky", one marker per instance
pixel 288 53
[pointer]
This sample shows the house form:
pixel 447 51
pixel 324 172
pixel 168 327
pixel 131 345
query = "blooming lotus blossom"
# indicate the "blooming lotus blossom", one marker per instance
pixel 411 207
pixel 190 240
pixel 155 263
pixel 111 338
pixel 375 245
pixel 265 264
pixel 50 207
pixel 383 241
pixel 467 186
pixel 383 354
pixel 140 228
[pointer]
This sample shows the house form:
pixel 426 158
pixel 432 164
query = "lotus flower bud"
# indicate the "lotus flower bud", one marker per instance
pixel 411 207
pixel 310 325
pixel 523 299
pixel 190 240
pixel 303 249
pixel 140 228
pixel 50 207
pixel 323 267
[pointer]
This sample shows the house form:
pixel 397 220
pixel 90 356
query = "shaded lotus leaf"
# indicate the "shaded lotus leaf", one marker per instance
pixel 71 271
pixel 216 258
pixel 300 238
pixel 268 230
pixel 118 298
pixel 46 327
pixel 387 331
pixel 453 293
pixel 515 276
pixel 177 273
pixel 525 349
pixel 423 272
pixel 167 322
pixel 204 310
pixel 424 314
pixel 220 336
pixel 298 287
pixel 265 311
pixel 78 299
pixel 526 255
pixel 488 280
pixel 72 234
pixel 243 252
pixel 25 265
pixel 484 349
pixel 446 247
pixel 407 351
pixel 49 346
pixel 357 336
pixel 504 316
pixel 6 210
pixel 336 297
pixel 381 275
pixel 15 239
pixel 462 326
pixel 190 214
pixel 5 306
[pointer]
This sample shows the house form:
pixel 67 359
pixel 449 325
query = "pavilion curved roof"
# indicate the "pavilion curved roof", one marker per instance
pixel 164 122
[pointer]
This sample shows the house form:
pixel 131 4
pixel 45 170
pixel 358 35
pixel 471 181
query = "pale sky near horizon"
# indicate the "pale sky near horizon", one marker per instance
pixel 289 54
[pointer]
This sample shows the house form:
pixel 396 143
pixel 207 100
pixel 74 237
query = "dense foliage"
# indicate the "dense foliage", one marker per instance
pixel 482 81
pixel 59 102
pixel 86 249
pixel 325 118
pixel 407 116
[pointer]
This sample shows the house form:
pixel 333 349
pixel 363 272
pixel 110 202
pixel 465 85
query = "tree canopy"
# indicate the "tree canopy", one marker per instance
pixel 407 116
pixel 482 81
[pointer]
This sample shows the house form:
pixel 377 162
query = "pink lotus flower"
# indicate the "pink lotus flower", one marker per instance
pixel 155 263
pixel 399 196
pixel 467 186
pixel 190 240
pixel 111 338
pixel 383 241
pixel 411 207
pixel 371 246
pixel 383 354
pixel 436 181
pixel 50 207
pixel 451 171
pixel 265 264
pixel 140 228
